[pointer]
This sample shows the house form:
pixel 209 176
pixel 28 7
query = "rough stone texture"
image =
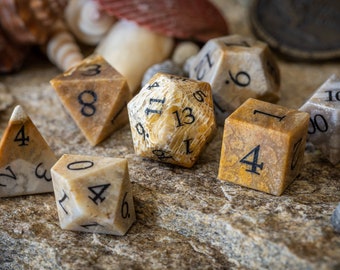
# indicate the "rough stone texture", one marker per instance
pixel 186 218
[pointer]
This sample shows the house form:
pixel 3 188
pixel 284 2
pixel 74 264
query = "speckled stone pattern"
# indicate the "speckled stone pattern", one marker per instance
pixel 185 218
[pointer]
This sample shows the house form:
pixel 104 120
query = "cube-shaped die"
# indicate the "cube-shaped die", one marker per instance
pixel 95 95
pixel 171 119
pixel 237 68
pixel 93 194
pixel 263 146
pixel 324 124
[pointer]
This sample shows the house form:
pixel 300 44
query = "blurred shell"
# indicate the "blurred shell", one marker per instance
pixel 86 21
pixel 185 19
pixel 6 99
pixel 62 49
pixel 183 51
pixel 167 66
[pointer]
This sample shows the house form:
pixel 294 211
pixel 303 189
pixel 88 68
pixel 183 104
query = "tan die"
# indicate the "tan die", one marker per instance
pixel 25 158
pixel 263 146
pixel 237 68
pixel 324 123
pixel 172 119
pixel 95 95
pixel 93 194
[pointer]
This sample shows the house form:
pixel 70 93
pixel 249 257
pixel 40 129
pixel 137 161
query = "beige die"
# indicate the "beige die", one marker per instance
pixel 324 124
pixel 93 194
pixel 172 119
pixel 237 68
pixel 263 146
pixel 25 158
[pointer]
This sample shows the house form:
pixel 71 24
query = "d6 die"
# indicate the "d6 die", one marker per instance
pixel 263 146
pixel 93 194
pixel 237 68
pixel 95 95
pixel 171 119
pixel 324 127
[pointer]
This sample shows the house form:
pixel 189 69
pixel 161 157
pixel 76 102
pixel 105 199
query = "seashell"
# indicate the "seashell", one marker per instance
pixel 132 49
pixel 61 48
pixel 167 66
pixel 6 99
pixel 183 51
pixel 190 19
pixel 86 21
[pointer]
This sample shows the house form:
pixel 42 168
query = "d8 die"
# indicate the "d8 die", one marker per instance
pixel 237 68
pixel 93 194
pixel 263 146
pixel 324 127
pixel 95 95
pixel 171 119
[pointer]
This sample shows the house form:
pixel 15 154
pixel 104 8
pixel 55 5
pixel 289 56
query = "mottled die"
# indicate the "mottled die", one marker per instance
pixel 263 146
pixel 324 127
pixel 172 119
pixel 93 194
pixel 237 68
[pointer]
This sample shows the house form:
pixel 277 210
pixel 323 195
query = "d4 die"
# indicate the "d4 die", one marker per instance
pixel 172 119
pixel 237 68
pixel 263 146
pixel 95 95
pixel 93 194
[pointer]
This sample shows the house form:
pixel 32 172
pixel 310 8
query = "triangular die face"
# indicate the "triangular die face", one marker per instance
pixel 25 158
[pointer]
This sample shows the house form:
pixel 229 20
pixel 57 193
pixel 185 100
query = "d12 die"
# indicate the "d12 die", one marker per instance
pixel 263 146
pixel 171 119
pixel 95 95
pixel 237 68
pixel 93 194
pixel 25 158
pixel 324 127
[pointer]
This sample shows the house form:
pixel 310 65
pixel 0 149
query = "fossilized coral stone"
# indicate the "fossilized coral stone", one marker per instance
pixel 263 146
pixel 93 194
pixel 324 124
pixel 172 119
pixel 25 158
pixel 237 68
pixel 95 95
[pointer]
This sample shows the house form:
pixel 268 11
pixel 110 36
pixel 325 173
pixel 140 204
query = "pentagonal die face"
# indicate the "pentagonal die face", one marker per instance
pixel 171 119
pixel 237 68
pixel 93 194
pixel 324 110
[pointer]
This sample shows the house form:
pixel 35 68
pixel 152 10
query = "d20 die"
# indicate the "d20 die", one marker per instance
pixel 263 146
pixel 93 194
pixel 95 95
pixel 25 158
pixel 324 110
pixel 171 119
pixel 237 68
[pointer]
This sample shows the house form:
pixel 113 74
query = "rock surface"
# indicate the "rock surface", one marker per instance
pixel 186 218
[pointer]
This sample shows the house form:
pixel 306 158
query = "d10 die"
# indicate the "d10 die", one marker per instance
pixel 263 146
pixel 95 95
pixel 25 158
pixel 324 127
pixel 237 68
pixel 171 119
pixel 93 194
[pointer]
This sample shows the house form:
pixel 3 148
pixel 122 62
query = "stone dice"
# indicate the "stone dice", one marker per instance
pixel 324 124
pixel 237 68
pixel 171 119
pixel 95 95
pixel 93 194
pixel 263 146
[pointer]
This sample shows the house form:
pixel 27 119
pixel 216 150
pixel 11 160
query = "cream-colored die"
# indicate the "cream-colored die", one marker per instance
pixel 93 194
pixel 171 119
pixel 237 68
pixel 324 110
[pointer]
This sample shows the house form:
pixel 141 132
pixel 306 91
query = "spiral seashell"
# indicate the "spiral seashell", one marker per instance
pixel 62 50
pixel 86 21
pixel 167 66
